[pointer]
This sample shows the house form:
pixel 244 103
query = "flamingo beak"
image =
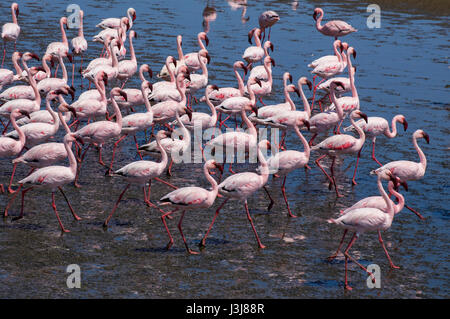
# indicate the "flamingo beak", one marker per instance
pixel 315 16
pixel 71 91
pixel 135 34
pixel 405 185
pixel 255 110
pixel 426 137
pixel 364 116
pixel 105 78
pixel 25 113
pixel 290 78
pixel 354 54
pixel 306 123
pixel 188 76
pixel 272 61
pixel 72 110
pixel 250 36
pixel 219 167
pixel 308 82
pixel 150 73
pixel 17 12
pixel 258 81
pixel 206 40
pixel 296 90
pixel 35 56
pixel 271 46
pixel 215 87
pixel 134 16
pixel 69 56
pixel 189 114
pixel 245 69
pixel 124 95
pixel 150 86
pixel 405 124
pixel 208 57
pixel 174 61
pixel 79 139
pixel 340 84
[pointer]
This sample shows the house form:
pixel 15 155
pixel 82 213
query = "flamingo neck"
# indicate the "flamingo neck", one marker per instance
pixel 393 133
pixel 250 125
pixel 305 143
pixel 180 51
pixel 362 135
pixel 114 61
pixel 212 108
pixel 241 85
pixel 401 200
pixel 14 17
pixel 17 66
pixel 171 71
pixel 63 67
pixel 251 93
pixel 19 131
pixel 305 100
pixel 200 43
pixel 257 40
pixel 81 29
pixel 63 122
pixel 52 113
pixel 181 87
pixel 337 103
pixel 132 53
pixel 63 34
pixel 130 18
pixel 203 66
pixel 37 96
pixel 422 157
pixel 269 73
pixel 72 160
pixel 146 101
pixel 186 134
pixel 46 68
pixel 336 52
pixel 319 21
pixel 264 168
pixel 164 157
pixel 389 204
pixel 351 77
pixel 101 89
pixel 211 180
pixel 117 112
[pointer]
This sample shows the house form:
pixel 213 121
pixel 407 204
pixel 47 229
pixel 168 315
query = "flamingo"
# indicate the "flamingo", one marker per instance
pixel 95 93
pixel 9 146
pixel 115 23
pixel 79 45
pixel 44 154
pixel 266 20
pixel 51 84
pixel 198 81
pixel 98 61
pixel 241 186
pixel 101 132
pixel 167 90
pixel 112 71
pixel 218 96
pixel 191 198
pixel 7 76
pixel 135 96
pixel 127 68
pixel 140 172
pixel 191 59
pixel 408 170
pixel 164 72
pixel 335 28
pixel 327 58
pixel 341 144
pixel 266 86
pixel 254 53
pixel 114 33
pixel 282 163
pixel 361 220
pixel 11 30
pixel 377 126
pixel 37 133
pixel 260 70
pixel 135 122
pixel 60 48
pixel 21 91
pixel 171 145
pixel 54 177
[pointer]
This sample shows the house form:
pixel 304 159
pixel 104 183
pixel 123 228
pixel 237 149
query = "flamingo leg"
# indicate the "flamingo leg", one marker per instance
pixel 190 251
pixel 169 169
pixel 23 202
pixel 137 146
pixel 260 100
pixel 100 156
pixel 312 139
pixel 57 215
pixel 317 161
pixel 373 152
pixel 334 178
pixel 6 127
pixel 386 252
pixel 108 172
pixel 75 216
pixel 5 213
pixel 163 218
pixel 283 190
pixel 202 243
pixel 340 246
pixel 356 166
pixel 347 257
pixel 73 72
pixel 253 226
pixel 81 68
pixel 270 197
pixel 10 190
pixel 105 224
pixel 4 52
pixel 415 212
pixel 164 182
pixel 147 197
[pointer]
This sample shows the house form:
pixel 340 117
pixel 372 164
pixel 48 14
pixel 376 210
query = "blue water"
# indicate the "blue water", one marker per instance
pixel 402 68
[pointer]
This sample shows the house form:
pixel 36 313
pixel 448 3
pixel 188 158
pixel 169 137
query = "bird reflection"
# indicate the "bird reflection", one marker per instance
pixel 236 4
pixel 209 14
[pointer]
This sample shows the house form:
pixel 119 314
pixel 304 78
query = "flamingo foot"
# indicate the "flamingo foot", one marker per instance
pixel 2 189
pixel 16 218
pixel 169 244
pixel 192 252
pixel 354 182
pixel 347 287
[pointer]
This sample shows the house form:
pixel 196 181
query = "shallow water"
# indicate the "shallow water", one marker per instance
pixel 402 68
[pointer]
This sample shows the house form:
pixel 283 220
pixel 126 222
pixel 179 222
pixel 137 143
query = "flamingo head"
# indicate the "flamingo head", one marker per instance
pixel 202 36
pixel 404 122
pixel 63 21
pixel 304 122
pixel 132 13
pixel 289 76
pixel 240 64
pixel 335 84
pixel 303 80
pixel 268 45
pixel 180 40
pixel 188 113
pixel 133 34
pixel 64 107
pixel 205 54
pixel 293 88
pixel 352 51
pixel 269 60
pixel 70 57
pixel 118 91
pixel 213 87
pixel 126 22
pixel 212 164
pixel 425 136
pixel 16 113
pixel 15 7
pixel 147 85
pixel 361 115
pixel 254 108
pixel 250 35
pixel 264 144
pixel 317 12
pixel 146 68
pixel 30 55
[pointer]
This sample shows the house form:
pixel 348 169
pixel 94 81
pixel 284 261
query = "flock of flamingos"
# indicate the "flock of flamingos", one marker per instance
pixel 96 119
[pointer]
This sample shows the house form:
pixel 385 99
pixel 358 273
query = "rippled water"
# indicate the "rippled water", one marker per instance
pixel 402 68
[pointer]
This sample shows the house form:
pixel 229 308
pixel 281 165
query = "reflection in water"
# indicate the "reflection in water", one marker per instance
pixel 236 4
pixel 209 15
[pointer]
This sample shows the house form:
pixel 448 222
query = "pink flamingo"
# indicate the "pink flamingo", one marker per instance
pixel 266 86
pixel 218 96
pixel 95 94
pixel 21 91
pixel 139 173
pixel 79 46
pixel 127 68
pixel 335 28
pixel 37 132
pixel 7 76
pixel 98 61
pixel 282 163
pixel 50 84
pixel 44 154
pixel 191 198
pixel 11 31
pixel 377 126
pixel 112 71
pixel 164 72
pixel 254 53
pixel 9 146
pixel 167 90
pixel 54 177
pixel 341 144
pixel 407 170
pixel 266 20
pixel 191 59
pixel 337 44
pixel 241 186
pixel 260 70
pixel 198 81
pixel 119 34
pixel 135 97
pixel 60 48
pixel 101 132
pixel 133 123
pixel 115 23
pixel 361 220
